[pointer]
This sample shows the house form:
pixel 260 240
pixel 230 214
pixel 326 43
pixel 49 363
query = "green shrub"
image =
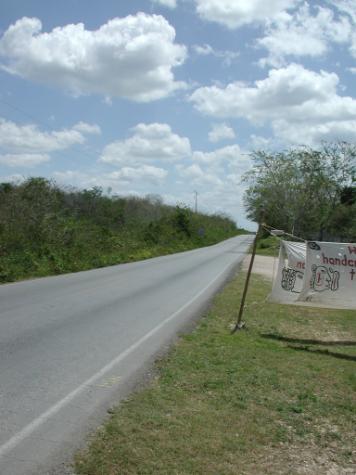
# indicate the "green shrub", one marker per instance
pixel 46 230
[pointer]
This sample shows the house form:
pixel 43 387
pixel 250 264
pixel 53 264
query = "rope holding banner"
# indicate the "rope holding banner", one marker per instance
pixel 271 229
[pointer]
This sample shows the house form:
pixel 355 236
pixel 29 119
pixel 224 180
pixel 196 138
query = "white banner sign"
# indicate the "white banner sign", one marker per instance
pixel 330 275
pixel 289 279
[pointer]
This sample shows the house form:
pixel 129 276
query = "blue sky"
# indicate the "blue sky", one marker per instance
pixel 170 96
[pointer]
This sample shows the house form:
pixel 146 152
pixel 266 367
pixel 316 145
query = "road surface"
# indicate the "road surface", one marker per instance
pixel 72 345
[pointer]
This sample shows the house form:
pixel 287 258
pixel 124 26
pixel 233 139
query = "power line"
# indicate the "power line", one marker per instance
pixel 91 154
pixel 18 109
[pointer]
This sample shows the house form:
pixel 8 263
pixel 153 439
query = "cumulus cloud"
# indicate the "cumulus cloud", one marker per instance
pixel 166 3
pixel 345 6
pixel 226 55
pixel 129 57
pixel 143 157
pixel 236 13
pixel 13 178
pixel 348 7
pixel 292 95
pixel 221 132
pixel 197 176
pixel 86 179
pixel 217 200
pixel 27 145
pixel 216 175
pixel 303 34
pixel 220 169
pixel 149 142
pixel 87 128
pixel 229 154
pixel 23 159
pixel 353 45
pixel 116 180
pixel 29 138
pixel 258 142
pixel 144 172
pixel 314 133
pixel 284 89
pixel 227 163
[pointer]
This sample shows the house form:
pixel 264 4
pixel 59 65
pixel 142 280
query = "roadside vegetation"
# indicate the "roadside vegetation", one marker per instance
pixel 277 398
pixel 310 193
pixel 268 245
pixel 46 230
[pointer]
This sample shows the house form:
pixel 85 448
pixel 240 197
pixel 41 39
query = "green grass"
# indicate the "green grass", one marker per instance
pixel 268 246
pixel 276 398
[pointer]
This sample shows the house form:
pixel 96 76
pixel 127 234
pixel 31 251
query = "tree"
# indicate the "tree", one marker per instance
pixel 301 190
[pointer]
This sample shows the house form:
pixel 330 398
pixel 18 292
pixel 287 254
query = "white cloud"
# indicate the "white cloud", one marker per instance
pixel 236 13
pixel 216 175
pixel 221 132
pixel 23 159
pixel 226 55
pixel 87 179
pixel 27 145
pixel 221 168
pixel 257 142
pixel 149 142
pixel 166 3
pixel 129 57
pixel 227 163
pixel 303 34
pixel 348 7
pixel 314 133
pixel 290 98
pixel 352 70
pixel 70 176
pixel 14 178
pixel 137 157
pixel 353 45
pixel 225 200
pixel 218 200
pixel 87 128
pixel 144 172
pixel 284 89
pixel 229 153
pixel 29 139
pixel 117 180
pixel 204 50
pixel 199 177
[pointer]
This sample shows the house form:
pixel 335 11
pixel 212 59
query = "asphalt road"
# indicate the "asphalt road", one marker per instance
pixel 71 345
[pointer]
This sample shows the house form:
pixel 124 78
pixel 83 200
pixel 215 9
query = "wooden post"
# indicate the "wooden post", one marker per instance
pixel 240 324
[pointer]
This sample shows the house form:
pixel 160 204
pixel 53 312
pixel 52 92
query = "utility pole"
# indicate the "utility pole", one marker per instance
pixel 196 201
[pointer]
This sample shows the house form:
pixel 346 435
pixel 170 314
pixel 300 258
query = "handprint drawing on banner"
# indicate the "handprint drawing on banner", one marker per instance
pixel 324 278
pixel 292 280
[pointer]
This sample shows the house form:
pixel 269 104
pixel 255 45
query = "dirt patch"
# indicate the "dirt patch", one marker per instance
pixel 263 265
pixel 298 460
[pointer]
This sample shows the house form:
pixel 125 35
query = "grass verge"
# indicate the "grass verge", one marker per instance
pixel 268 246
pixel 277 398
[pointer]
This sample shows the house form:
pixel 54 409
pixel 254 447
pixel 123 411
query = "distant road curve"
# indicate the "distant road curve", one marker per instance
pixel 72 345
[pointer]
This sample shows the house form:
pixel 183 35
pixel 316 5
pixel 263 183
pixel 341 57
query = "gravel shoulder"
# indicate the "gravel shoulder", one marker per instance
pixel 263 265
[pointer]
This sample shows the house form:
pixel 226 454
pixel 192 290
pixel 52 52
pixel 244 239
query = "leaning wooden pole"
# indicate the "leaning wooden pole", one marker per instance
pixel 240 324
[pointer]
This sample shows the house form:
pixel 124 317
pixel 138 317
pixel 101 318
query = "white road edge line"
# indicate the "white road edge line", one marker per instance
pixel 36 423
